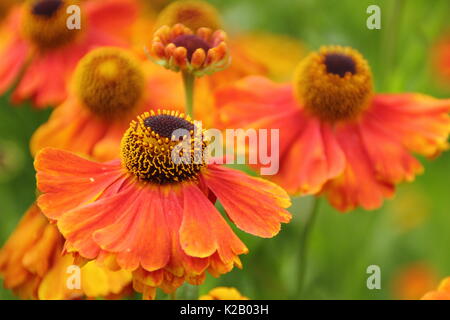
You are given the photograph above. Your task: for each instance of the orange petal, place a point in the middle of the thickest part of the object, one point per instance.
(419, 122)
(313, 158)
(358, 185)
(253, 204)
(68, 181)
(204, 231)
(140, 235)
(390, 159)
(80, 224)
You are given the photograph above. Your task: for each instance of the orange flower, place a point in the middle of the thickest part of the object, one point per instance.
(223, 293)
(40, 51)
(336, 135)
(202, 52)
(148, 214)
(110, 85)
(442, 293)
(413, 281)
(33, 266)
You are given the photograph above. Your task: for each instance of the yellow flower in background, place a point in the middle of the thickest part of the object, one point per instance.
(33, 266)
(223, 293)
(410, 209)
(277, 54)
(441, 293)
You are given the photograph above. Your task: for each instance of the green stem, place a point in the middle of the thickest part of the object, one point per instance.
(173, 295)
(189, 81)
(304, 240)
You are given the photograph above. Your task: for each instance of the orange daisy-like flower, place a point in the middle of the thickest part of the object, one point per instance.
(442, 292)
(40, 50)
(34, 267)
(199, 53)
(223, 293)
(336, 135)
(151, 215)
(110, 86)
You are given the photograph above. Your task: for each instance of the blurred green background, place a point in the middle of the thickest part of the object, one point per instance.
(412, 227)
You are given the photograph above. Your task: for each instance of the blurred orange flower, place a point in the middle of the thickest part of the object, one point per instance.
(413, 281)
(336, 136)
(110, 86)
(34, 267)
(223, 293)
(150, 215)
(39, 51)
(441, 58)
(442, 292)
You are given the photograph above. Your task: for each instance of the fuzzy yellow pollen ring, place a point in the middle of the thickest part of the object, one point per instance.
(44, 23)
(334, 84)
(109, 82)
(148, 145)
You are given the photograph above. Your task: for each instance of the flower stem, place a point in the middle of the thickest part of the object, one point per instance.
(188, 81)
(173, 295)
(304, 240)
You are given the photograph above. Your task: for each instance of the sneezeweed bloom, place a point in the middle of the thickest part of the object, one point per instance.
(154, 216)
(442, 292)
(223, 293)
(110, 86)
(337, 136)
(33, 266)
(201, 52)
(40, 51)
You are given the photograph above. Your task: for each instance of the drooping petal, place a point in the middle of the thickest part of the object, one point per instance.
(68, 181)
(80, 224)
(389, 157)
(312, 159)
(421, 123)
(204, 231)
(140, 236)
(253, 204)
(358, 185)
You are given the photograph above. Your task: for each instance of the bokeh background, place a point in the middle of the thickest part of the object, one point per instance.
(408, 238)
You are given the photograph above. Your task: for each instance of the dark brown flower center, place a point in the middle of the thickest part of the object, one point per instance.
(339, 64)
(165, 125)
(191, 43)
(46, 8)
